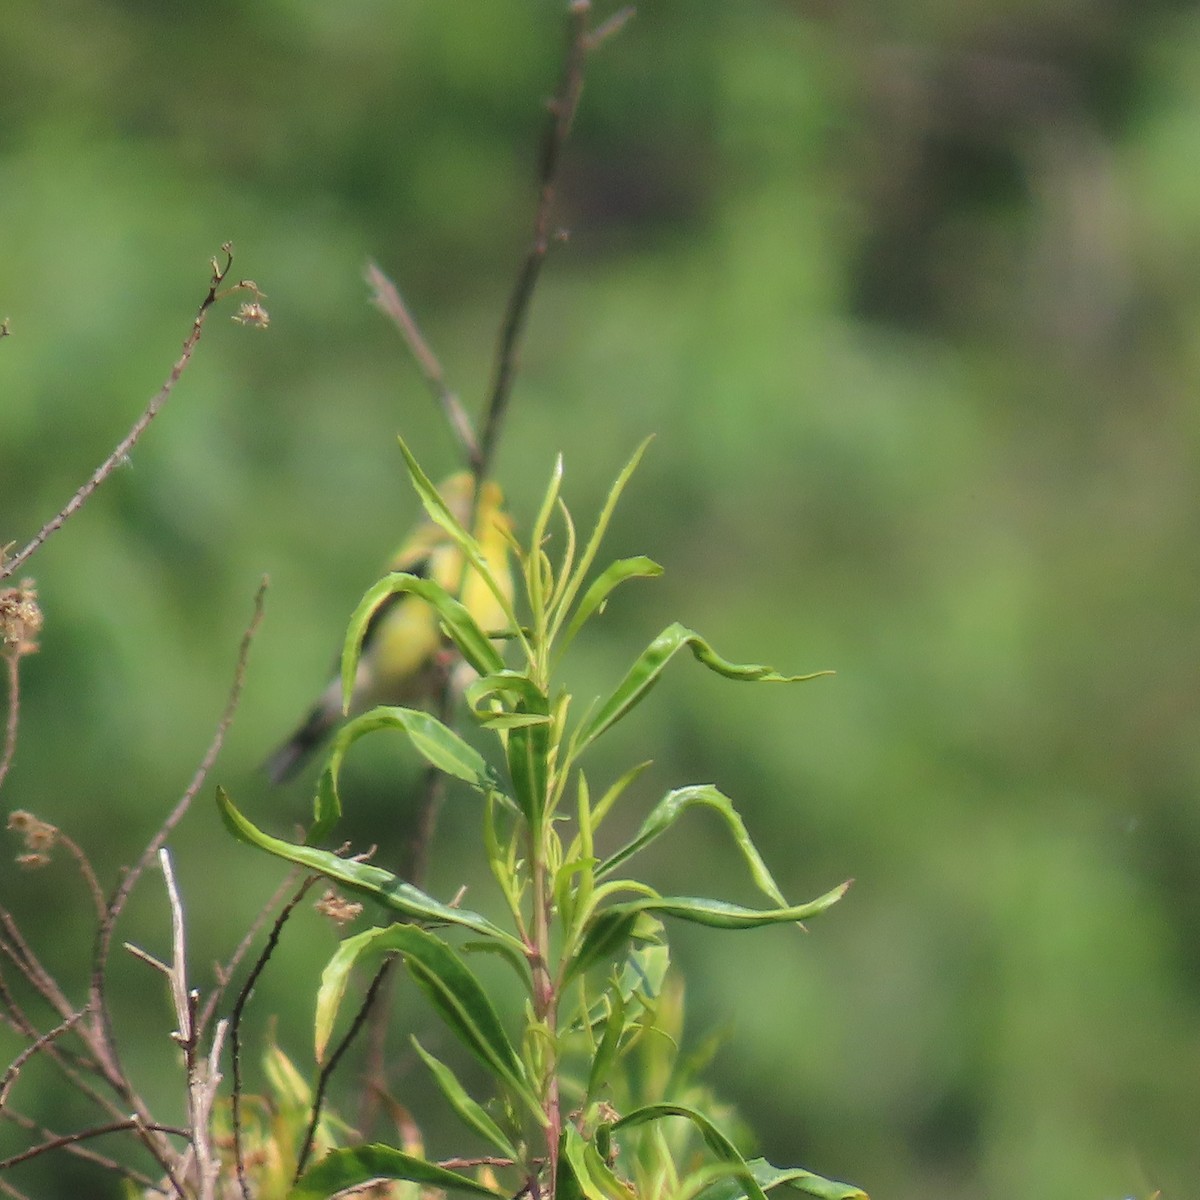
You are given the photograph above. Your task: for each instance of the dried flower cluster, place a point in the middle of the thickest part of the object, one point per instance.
(20, 619)
(39, 837)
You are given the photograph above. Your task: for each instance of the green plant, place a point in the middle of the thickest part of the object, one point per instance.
(585, 941)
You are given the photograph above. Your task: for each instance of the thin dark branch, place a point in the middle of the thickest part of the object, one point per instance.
(235, 1025)
(226, 972)
(386, 297)
(14, 945)
(71, 1139)
(73, 1066)
(42, 1043)
(8, 1113)
(328, 1069)
(558, 128)
(117, 903)
(127, 443)
(100, 1039)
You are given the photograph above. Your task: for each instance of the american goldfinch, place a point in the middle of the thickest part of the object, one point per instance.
(397, 664)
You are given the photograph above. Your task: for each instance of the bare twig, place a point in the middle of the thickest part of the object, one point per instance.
(558, 128)
(202, 1075)
(127, 443)
(18, 950)
(235, 1026)
(97, 1032)
(117, 903)
(14, 1068)
(78, 1151)
(71, 1139)
(328, 1069)
(386, 297)
(225, 972)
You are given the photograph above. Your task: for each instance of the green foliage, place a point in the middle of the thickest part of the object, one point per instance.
(585, 941)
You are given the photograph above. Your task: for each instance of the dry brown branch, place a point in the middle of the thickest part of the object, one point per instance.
(78, 1151)
(235, 1026)
(14, 1068)
(121, 895)
(127, 443)
(96, 1032)
(328, 1069)
(225, 972)
(203, 1077)
(386, 297)
(71, 1139)
(558, 128)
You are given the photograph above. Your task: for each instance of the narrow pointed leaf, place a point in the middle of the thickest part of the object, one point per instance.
(458, 623)
(527, 747)
(595, 1177)
(590, 550)
(607, 1050)
(720, 1146)
(438, 744)
(719, 914)
(606, 939)
(358, 1166)
(469, 1111)
(602, 587)
(648, 669)
(613, 927)
(458, 997)
(672, 807)
(373, 882)
(768, 1177)
(435, 506)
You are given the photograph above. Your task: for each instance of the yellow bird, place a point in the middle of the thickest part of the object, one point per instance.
(398, 664)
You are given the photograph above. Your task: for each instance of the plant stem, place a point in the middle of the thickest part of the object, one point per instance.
(545, 1000)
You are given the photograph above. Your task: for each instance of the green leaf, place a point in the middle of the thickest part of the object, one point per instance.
(720, 1146)
(470, 1112)
(596, 1179)
(435, 506)
(719, 914)
(610, 1044)
(363, 878)
(768, 1177)
(438, 744)
(527, 746)
(359, 1165)
(605, 939)
(453, 990)
(672, 807)
(648, 668)
(611, 928)
(458, 623)
(601, 588)
(571, 590)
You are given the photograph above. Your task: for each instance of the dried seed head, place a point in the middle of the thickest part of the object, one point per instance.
(20, 619)
(39, 837)
(337, 908)
(252, 313)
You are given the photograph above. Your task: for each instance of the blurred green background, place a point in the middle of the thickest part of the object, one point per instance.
(909, 294)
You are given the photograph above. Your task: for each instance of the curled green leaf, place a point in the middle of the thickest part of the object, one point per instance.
(373, 882)
(672, 807)
(460, 626)
(648, 669)
(358, 1166)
